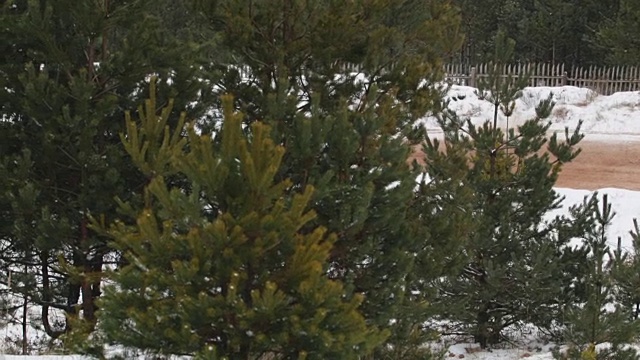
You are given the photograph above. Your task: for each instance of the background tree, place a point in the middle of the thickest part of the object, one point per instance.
(618, 35)
(551, 20)
(550, 31)
(67, 71)
(515, 262)
(482, 21)
(564, 30)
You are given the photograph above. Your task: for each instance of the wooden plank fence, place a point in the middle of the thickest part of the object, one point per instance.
(603, 80)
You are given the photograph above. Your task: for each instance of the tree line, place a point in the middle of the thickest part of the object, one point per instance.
(154, 196)
(573, 32)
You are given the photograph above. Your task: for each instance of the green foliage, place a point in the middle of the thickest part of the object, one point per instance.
(593, 321)
(143, 144)
(548, 31)
(591, 352)
(588, 321)
(626, 272)
(341, 85)
(222, 265)
(514, 262)
(483, 20)
(67, 71)
(617, 35)
(502, 92)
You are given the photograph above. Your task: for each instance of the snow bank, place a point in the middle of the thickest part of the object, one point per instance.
(617, 114)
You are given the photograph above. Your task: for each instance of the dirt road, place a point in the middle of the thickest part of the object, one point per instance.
(601, 164)
(605, 162)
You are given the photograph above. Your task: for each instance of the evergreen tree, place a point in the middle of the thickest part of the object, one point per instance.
(220, 268)
(627, 274)
(67, 71)
(559, 31)
(546, 28)
(618, 35)
(514, 261)
(556, 31)
(341, 85)
(592, 321)
(481, 23)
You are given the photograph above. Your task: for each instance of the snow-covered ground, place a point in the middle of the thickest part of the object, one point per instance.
(43, 357)
(606, 118)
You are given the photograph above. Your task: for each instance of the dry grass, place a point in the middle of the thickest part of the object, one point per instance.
(560, 113)
(590, 98)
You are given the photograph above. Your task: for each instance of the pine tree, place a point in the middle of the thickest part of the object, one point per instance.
(480, 25)
(556, 31)
(592, 322)
(341, 85)
(514, 261)
(618, 35)
(67, 71)
(219, 268)
(627, 274)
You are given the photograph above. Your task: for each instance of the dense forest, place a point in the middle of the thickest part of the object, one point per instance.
(207, 178)
(573, 32)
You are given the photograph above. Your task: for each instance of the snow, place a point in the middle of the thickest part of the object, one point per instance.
(473, 351)
(43, 357)
(605, 118)
(625, 203)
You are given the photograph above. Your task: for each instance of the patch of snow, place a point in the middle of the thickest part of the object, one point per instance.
(625, 203)
(612, 115)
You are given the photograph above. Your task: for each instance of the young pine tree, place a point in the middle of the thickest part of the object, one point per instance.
(341, 85)
(596, 317)
(514, 260)
(627, 274)
(219, 267)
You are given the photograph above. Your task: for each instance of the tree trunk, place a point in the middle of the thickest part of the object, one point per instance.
(88, 284)
(487, 334)
(46, 296)
(481, 335)
(25, 308)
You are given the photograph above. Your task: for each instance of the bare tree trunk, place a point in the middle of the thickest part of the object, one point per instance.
(88, 306)
(46, 296)
(91, 262)
(25, 301)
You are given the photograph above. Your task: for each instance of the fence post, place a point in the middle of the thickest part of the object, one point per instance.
(472, 77)
(564, 79)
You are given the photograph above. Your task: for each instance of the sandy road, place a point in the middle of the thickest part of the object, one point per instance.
(612, 161)
(604, 163)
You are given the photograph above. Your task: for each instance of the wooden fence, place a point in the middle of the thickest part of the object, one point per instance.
(604, 80)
